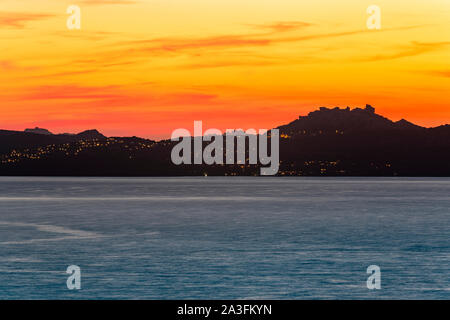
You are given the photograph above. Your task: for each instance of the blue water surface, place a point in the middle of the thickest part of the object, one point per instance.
(224, 237)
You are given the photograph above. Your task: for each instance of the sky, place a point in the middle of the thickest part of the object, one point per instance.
(148, 67)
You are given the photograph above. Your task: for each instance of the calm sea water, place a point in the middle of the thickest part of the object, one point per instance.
(224, 238)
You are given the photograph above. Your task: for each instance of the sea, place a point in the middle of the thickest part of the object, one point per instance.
(224, 238)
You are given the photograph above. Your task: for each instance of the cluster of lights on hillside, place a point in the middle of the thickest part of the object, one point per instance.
(71, 149)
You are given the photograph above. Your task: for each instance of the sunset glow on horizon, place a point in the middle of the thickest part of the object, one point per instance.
(148, 67)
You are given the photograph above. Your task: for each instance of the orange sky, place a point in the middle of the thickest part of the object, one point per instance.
(147, 67)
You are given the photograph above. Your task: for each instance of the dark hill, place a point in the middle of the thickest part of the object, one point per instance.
(33, 138)
(90, 134)
(326, 142)
(361, 142)
(38, 131)
(343, 120)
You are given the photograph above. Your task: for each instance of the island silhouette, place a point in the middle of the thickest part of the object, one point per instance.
(326, 142)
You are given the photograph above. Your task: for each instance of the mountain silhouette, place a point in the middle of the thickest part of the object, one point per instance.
(38, 137)
(326, 142)
(38, 131)
(90, 134)
(343, 120)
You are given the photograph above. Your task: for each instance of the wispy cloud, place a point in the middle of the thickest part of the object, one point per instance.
(12, 66)
(70, 92)
(20, 19)
(7, 65)
(283, 26)
(114, 96)
(87, 35)
(174, 45)
(413, 49)
(439, 73)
